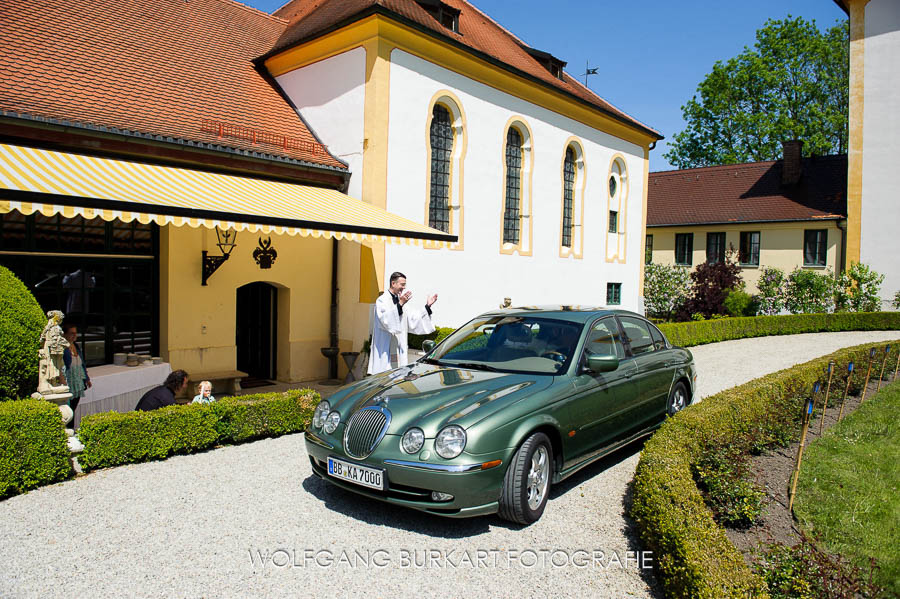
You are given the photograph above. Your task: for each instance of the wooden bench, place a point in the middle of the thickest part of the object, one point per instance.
(229, 382)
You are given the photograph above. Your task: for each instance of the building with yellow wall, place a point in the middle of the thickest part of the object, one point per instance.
(319, 149)
(787, 214)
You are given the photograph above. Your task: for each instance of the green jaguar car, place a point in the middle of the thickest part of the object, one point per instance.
(511, 402)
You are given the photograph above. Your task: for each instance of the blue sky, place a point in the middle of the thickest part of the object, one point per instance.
(651, 53)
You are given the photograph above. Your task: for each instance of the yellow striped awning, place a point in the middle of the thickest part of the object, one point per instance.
(54, 182)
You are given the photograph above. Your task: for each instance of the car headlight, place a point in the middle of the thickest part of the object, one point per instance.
(319, 415)
(331, 422)
(412, 440)
(450, 442)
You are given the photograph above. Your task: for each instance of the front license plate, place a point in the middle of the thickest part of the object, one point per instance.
(356, 474)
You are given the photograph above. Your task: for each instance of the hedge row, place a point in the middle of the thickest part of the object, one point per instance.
(439, 334)
(687, 334)
(693, 555)
(33, 450)
(21, 323)
(112, 438)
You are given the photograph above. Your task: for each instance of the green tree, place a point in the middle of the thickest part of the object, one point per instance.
(793, 84)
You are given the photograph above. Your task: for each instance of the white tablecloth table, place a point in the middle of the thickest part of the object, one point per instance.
(119, 388)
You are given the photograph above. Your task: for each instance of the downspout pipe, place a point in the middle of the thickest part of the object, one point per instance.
(332, 351)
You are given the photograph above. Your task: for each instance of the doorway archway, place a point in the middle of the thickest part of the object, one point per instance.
(256, 330)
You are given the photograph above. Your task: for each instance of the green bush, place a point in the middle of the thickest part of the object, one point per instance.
(439, 334)
(739, 303)
(112, 438)
(666, 287)
(771, 290)
(857, 289)
(33, 450)
(693, 555)
(807, 292)
(21, 323)
(688, 334)
(250, 417)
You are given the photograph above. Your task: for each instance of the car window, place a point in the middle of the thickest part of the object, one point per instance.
(604, 339)
(512, 343)
(659, 341)
(638, 333)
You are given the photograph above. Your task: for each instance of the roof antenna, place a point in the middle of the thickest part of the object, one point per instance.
(588, 71)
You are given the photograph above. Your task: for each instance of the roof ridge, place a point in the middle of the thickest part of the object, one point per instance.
(495, 22)
(253, 9)
(742, 164)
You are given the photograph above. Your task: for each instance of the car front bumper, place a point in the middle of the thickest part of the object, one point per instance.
(410, 481)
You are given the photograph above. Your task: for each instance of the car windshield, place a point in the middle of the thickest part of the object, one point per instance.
(511, 344)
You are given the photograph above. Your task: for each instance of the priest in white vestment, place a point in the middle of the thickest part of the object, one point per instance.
(394, 318)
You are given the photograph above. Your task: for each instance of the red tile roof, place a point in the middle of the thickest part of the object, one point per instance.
(159, 67)
(477, 32)
(748, 193)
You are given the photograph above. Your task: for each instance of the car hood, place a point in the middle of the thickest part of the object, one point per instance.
(431, 396)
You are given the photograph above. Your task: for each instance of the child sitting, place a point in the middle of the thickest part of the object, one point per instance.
(204, 393)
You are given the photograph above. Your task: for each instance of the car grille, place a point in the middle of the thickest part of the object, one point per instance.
(365, 431)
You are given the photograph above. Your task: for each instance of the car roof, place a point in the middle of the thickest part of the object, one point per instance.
(571, 313)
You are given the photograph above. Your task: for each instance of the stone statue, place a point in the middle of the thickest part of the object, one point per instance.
(507, 302)
(51, 379)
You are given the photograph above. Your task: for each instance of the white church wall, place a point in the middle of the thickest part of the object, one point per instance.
(879, 246)
(479, 276)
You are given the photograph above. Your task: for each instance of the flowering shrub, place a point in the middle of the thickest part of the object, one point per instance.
(771, 294)
(807, 292)
(711, 285)
(856, 289)
(665, 288)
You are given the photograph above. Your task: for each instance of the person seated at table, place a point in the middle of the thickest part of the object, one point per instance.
(164, 395)
(204, 393)
(76, 371)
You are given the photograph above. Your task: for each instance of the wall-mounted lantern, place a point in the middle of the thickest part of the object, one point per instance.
(226, 244)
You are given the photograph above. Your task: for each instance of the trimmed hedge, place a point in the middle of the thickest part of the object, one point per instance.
(693, 555)
(439, 334)
(33, 450)
(112, 438)
(21, 323)
(687, 334)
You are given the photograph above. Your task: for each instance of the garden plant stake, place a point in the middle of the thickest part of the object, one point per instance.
(868, 372)
(830, 370)
(897, 367)
(806, 417)
(887, 350)
(846, 390)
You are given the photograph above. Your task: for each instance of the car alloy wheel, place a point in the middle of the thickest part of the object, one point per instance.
(678, 399)
(526, 484)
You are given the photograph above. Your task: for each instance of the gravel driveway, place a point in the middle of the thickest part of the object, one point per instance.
(252, 520)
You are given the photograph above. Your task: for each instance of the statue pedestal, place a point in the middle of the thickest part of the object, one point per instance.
(61, 399)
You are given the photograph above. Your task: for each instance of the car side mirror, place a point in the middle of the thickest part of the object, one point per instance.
(428, 345)
(598, 364)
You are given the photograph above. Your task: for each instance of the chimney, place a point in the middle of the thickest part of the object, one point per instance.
(791, 165)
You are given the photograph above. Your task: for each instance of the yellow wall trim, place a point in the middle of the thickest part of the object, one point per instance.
(856, 110)
(643, 253)
(622, 193)
(525, 247)
(578, 228)
(451, 102)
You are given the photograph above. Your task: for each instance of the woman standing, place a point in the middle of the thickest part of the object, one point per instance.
(76, 371)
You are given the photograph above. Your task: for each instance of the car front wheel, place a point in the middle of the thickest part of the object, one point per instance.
(678, 399)
(527, 481)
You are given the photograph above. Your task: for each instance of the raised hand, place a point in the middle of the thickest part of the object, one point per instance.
(404, 297)
(431, 299)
